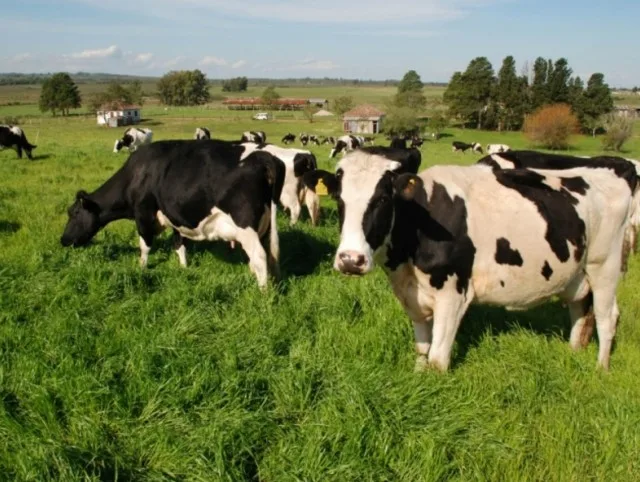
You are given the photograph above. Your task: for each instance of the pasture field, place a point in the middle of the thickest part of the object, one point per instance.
(111, 372)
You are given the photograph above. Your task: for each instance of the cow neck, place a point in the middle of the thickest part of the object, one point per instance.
(112, 201)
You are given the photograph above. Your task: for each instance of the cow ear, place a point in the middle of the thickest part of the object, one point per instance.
(321, 182)
(86, 202)
(303, 163)
(407, 186)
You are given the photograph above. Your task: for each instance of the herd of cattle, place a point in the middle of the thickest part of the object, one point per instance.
(515, 229)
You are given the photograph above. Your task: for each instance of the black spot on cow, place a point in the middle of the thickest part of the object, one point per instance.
(547, 271)
(502, 283)
(432, 232)
(506, 255)
(575, 184)
(557, 208)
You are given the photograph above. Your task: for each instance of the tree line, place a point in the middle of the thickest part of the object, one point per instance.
(478, 97)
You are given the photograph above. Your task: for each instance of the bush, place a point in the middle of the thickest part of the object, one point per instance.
(618, 131)
(551, 126)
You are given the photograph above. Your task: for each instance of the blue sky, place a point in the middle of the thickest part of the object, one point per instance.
(372, 39)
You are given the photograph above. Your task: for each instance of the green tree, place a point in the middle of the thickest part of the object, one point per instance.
(478, 81)
(558, 82)
(410, 91)
(136, 93)
(436, 124)
(343, 104)
(59, 93)
(539, 88)
(308, 112)
(401, 120)
(618, 131)
(270, 96)
(511, 96)
(183, 87)
(237, 84)
(116, 93)
(595, 102)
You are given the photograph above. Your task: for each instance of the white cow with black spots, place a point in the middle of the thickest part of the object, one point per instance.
(133, 138)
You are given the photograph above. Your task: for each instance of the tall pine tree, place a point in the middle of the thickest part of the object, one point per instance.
(511, 95)
(558, 84)
(539, 91)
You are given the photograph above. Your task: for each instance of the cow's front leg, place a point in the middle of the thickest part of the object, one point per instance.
(251, 245)
(179, 247)
(447, 315)
(423, 331)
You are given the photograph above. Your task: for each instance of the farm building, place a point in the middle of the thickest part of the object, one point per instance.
(363, 119)
(627, 111)
(256, 103)
(117, 114)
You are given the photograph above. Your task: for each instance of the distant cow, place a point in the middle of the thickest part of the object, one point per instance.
(417, 141)
(259, 137)
(297, 162)
(398, 142)
(314, 139)
(455, 235)
(328, 140)
(369, 140)
(12, 137)
(133, 138)
(304, 138)
(463, 147)
(346, 143)
(497, 148)
(289, 138)
(202, 133)
(199, 189)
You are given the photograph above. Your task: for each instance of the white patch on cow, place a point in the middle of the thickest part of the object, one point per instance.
(361, 174)
(115, 145)
(16, 130)
(220, 226)
(553, 182)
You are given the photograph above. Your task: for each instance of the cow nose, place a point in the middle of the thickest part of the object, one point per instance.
(351, 262)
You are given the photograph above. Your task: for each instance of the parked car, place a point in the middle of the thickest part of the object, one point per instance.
(262, 116)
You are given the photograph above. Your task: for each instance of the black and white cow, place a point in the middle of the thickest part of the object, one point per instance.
(259, 137)
(304, 138)
(133, 138)
(289, 138)
(455, 235)
(202, 133)
(12, 137)
(328, 140)
(463, 147)
(398, 142)
(346, 143)
(314, 139)
(542, 160)
(197, 188)
(297, 162)
(369, 140)
(497, 148)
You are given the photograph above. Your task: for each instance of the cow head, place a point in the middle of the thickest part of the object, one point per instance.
(339, 146)
(83, 223)
(366, 188)
(124, 142)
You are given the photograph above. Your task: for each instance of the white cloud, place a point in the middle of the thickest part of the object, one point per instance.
(173, 62)
(312, 64)
(238, 64)
(143, 58)
(22, 57)
(211, 60)
(110, 52)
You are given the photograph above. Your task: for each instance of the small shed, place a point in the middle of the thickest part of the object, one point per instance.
(627, 111)
(115, 114)
(323, 113)
(363, 119)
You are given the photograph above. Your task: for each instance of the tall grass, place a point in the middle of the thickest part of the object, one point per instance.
(110, 372)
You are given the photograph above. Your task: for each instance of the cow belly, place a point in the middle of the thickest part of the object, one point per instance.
(521, 287)
(218, 225)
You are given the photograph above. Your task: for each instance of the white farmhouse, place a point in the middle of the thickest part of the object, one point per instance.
(115, 114)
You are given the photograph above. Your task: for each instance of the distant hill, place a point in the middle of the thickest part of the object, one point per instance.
(14, 78)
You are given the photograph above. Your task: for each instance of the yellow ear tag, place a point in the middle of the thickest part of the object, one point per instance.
(321, 189)
(412, 181)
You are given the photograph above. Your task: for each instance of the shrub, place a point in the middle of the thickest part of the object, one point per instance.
(551, 126)
(618, 131)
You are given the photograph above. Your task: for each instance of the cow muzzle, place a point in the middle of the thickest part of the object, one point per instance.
(351, 262)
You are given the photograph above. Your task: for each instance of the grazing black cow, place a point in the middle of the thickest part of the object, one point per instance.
(202, 133)
(346, 143)
(463, 147)
(289, 138)
(200, 189)
(12, 137)
(455, 235)
(259, 137)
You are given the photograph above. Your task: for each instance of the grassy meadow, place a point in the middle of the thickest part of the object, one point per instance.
(111, 372)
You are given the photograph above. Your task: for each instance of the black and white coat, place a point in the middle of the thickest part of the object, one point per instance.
(12, 137)
(457, 146)
(455, 235)
(202, 133)
(133, 138)
(200, 189)
(259, 137)
(346, 144)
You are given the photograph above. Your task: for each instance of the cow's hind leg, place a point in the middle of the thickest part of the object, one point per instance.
(179, 247)
(582, 322)
(312, 201)
(251, 245)
(447, 314)
(147, 228)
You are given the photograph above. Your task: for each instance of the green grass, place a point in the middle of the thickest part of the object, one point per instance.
(111, 372)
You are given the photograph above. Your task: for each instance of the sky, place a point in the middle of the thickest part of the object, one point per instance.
(366, 39)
